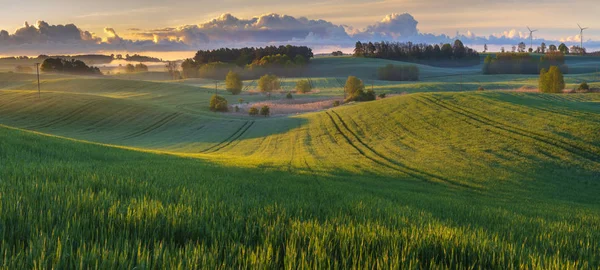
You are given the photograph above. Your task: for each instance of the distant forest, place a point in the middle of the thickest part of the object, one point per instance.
(437, 55)
(90, 58)
(247, 56)
(72, 66)
(523, 63)
(250, 63)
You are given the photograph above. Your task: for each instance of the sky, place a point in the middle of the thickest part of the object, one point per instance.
(131, 21)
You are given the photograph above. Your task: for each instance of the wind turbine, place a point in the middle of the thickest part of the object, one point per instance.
(581, 36)
(531, 37)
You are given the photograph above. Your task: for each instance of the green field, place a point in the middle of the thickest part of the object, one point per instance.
(121, 172)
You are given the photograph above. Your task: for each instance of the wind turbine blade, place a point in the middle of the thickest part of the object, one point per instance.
(579, 26)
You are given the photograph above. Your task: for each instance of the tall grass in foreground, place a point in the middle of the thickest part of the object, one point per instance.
(72, 205)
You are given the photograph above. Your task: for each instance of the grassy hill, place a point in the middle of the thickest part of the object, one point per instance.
(115, 173)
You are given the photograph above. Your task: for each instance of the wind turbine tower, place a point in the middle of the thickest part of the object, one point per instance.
(581, 36)
(531, 37)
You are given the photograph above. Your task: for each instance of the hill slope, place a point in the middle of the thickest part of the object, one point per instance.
(429, 180)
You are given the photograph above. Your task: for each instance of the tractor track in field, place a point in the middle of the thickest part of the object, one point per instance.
(229, 140)
(67, 116)
(390, 163)
(555, 142)
(160, 123)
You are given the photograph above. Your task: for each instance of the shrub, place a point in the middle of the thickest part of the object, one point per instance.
(382, 95)
(265, 111)
(336, 103)
(218, 104)
(303, 86)
(584, 87)
(268, 83)
(551, 81)
(480, 88)
(233, 83)
(289, 95)
(398, 73)
(253, 111)
(241, 100)
(237, 109)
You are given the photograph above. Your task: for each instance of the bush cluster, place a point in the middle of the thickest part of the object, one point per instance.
(218, 104)
(303, 86)
(269, 83)
(398, 73)
(523, 63)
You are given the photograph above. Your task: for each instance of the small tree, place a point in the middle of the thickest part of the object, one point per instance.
(584, 87)
(268, 83)
(253, 111)
(173, 69)
(265, 111)
(141, 68)
(218, 104)
(303, 86)
(233, 83)
(289, 95)
(240, 100)
(355, 90)
(563, 48)
(129, 68)
(551, 81)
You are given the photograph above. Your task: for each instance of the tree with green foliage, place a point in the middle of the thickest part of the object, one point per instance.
(303, 86)
(265, 111)
(289, 95)
(552, 48)
(233, 83)
(355, 90)
(253, 111)
(218, 104)
(487, 64)
(269, 83)
(552, 80)
(563, 48)
(300, 60)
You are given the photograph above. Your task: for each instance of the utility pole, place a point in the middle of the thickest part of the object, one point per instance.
(37, 68)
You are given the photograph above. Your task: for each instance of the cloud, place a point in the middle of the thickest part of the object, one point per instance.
(230, 31)
(393, 26)
(265, 28)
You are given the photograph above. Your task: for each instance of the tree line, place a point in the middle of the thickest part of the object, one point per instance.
(398, 73)
(437, 54)
(523, 63)
(248, 55)
(68, 66)
(250, 63)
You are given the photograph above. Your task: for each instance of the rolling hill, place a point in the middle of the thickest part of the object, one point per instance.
(112, 173)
